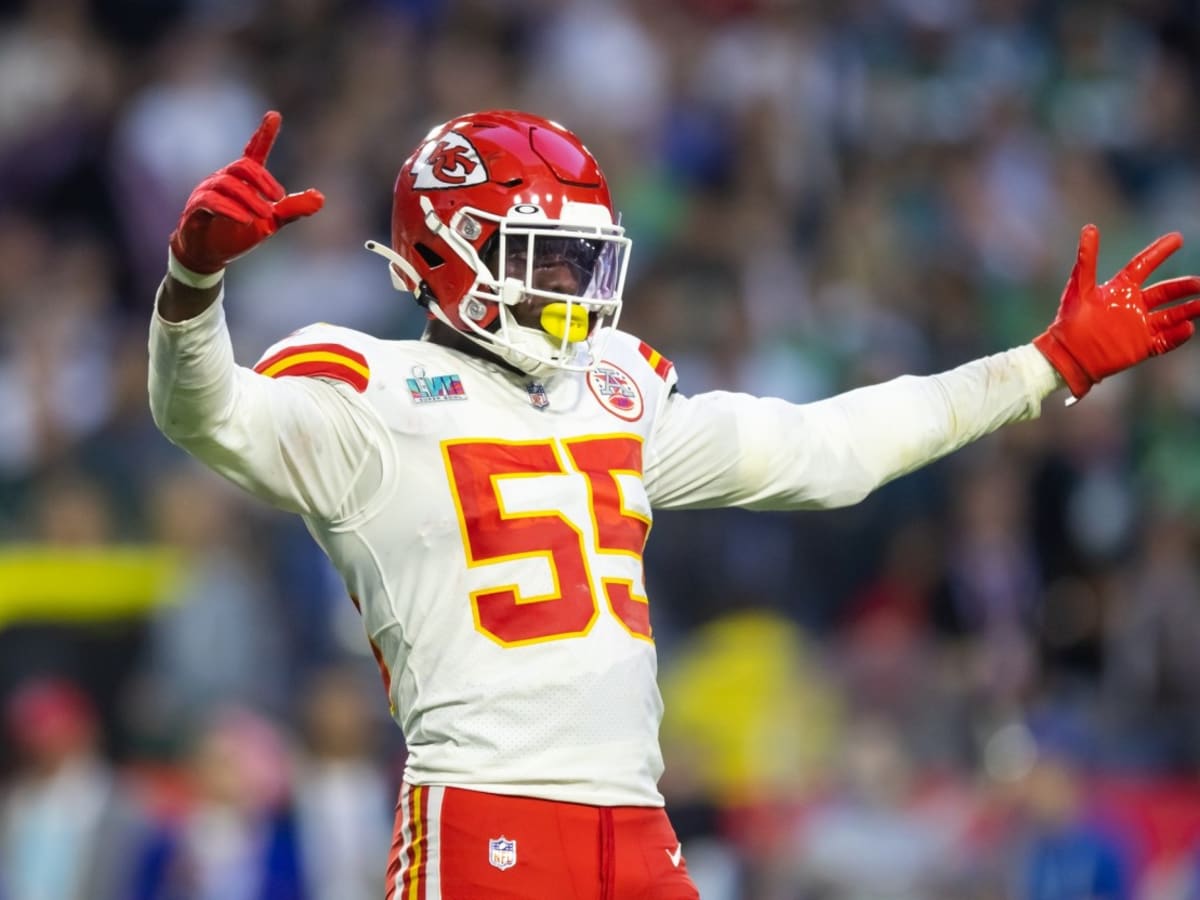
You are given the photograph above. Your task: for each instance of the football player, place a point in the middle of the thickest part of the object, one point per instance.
(486, 491)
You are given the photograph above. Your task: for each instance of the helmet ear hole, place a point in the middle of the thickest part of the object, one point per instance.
(489, 253)
(432, 259)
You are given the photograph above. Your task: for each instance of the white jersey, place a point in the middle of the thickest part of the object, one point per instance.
(490, 526)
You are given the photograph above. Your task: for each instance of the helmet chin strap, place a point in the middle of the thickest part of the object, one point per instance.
(511, 353)
(531, 349)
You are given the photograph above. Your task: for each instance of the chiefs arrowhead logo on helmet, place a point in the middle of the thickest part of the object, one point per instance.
(451, 161)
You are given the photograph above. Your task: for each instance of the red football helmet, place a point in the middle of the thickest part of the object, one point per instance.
(484, 200)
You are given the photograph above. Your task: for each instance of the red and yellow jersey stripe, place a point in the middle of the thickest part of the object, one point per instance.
(660, 364)
(318, 360)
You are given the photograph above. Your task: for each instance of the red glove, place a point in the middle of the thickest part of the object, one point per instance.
(1100, 330)
(235, 209)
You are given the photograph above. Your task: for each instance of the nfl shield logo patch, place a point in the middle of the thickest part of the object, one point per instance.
(502, 853)
(537, 396)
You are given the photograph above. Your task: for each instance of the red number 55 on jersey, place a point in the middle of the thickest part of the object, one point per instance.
(493, 534)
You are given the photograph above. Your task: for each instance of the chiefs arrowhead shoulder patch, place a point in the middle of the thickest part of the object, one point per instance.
(616, 391)
(318, 361)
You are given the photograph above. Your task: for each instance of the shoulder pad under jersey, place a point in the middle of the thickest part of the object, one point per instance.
(635, 354)
(662, 366)
(320, 351)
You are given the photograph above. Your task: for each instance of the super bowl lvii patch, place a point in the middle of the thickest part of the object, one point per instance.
(434, 388)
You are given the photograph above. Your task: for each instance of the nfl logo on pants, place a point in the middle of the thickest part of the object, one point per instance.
(502, 853)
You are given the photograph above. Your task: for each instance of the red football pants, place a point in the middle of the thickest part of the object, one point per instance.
(467, 845)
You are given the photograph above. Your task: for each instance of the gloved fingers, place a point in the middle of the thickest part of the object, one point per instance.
(206, 184)
(1084, 273)
(1172, 289)
(1172, 336)
(295, 206)
(233, 187)
(1139, 268)
(257, 177)
(258, 148)
(1173, 315)
(240, 192)
(217, 205)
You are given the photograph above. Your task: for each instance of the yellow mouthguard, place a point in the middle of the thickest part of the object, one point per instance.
(554, 322)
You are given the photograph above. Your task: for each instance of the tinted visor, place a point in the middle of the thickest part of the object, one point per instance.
(583, 267)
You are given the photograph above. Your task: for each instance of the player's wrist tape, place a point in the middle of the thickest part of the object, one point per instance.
(184, 275)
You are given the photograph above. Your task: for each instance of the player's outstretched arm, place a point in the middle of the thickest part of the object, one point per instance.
(723, 449)
(227, 215)
(1102, 329)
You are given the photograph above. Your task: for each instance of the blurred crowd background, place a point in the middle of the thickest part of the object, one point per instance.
(983, 683)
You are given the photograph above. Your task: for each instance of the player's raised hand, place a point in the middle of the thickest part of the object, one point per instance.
(237, 208)
(1102, 329)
